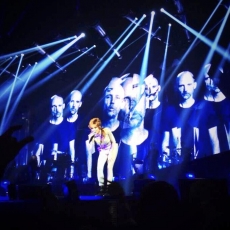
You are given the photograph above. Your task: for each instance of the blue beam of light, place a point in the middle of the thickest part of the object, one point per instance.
(74, 52)
(93, 78)
(126, 68)
(144, 66)
(44, 80)
(24, 71)
(102, 59)
(207, 41)
(8, 65)
(26, 51)
(143, 28)
(5, 87)
(47, 61)
(3, 125)
(138, 39)
(63, 49)
(165, 57)
(6, 60)
(192, 45)
(14, 106)
(212, 50)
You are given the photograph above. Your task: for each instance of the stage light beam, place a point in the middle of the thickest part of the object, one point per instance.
(207, 41)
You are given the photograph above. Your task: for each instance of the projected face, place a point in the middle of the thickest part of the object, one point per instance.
(75, 102)
(186, 85)
(152, 88)
(134, 108)
(113, 99)
(57, 106)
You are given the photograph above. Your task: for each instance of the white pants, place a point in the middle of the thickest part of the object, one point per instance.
(109, 156)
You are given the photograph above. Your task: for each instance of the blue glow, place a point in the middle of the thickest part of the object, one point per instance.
(101, 59)
(3, 123)
(44, 80)
(191, 46)
(207, 41)
(144, 66)
(16, 102)
(6, 60)
(165, 58)
(213, 49)
(93, 78)
(8, 65)
(35, 48)
(190, 175)
(152, 177)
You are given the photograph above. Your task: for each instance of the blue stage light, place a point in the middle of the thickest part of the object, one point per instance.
(190, 175)
(82, 35)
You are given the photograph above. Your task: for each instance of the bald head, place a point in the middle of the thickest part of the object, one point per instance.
(185, 76)
(115, 86)
(57, 106)
(113, 98)
(186, 85)
(75, 101)
(152, 87)
(134, 100)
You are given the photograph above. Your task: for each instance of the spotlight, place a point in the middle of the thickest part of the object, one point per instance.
(82, 35)
(84, 49)
(170, 24)
(39, 49)
(94, 46)
(153, 12)
(190, 175)
(152, 33)
(99, 29)
(35, 63)
(43, 52)
(60, 67)
(102, 32)
(22, 55)
(162, 10)
(151, 177)
(131, 19)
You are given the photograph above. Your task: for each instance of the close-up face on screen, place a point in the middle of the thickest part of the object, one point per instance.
(158, 84)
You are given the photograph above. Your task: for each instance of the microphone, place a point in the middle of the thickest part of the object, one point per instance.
(91, 138)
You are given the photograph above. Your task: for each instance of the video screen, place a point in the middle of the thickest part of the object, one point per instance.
(163, 95)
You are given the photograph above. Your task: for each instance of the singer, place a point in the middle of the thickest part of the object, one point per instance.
(107, 147)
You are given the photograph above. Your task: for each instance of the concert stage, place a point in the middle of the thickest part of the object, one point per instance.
(213, 171)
